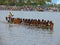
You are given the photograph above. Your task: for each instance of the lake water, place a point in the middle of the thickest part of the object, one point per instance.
(11, 34)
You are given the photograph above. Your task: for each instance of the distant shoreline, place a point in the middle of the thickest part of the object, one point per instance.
(27, 8)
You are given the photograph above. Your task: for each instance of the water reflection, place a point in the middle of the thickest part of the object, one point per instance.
(12, 34)
(10, 26)
(38, 34)
(25, 35)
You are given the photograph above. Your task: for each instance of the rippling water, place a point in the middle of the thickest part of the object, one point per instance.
(11, 34)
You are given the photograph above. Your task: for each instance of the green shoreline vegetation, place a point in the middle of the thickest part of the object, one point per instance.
(40, 5)
(46, 3)
(22, 2)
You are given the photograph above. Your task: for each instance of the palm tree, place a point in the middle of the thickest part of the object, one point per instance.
(36, 1)
(2, 1)
(48, 0)
(41, 1)
(14, 1)
(28, 2)
(21, 2)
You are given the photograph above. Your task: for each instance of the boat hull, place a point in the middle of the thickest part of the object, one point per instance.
(30, 23)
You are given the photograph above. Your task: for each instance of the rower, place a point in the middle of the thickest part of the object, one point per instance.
(9, 17)
(51, 24)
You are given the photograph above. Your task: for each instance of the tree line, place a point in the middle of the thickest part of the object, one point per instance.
(22, 2)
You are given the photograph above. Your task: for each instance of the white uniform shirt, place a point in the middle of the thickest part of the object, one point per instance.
(9, 15)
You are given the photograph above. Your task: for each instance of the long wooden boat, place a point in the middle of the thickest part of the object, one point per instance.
(28, 22)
